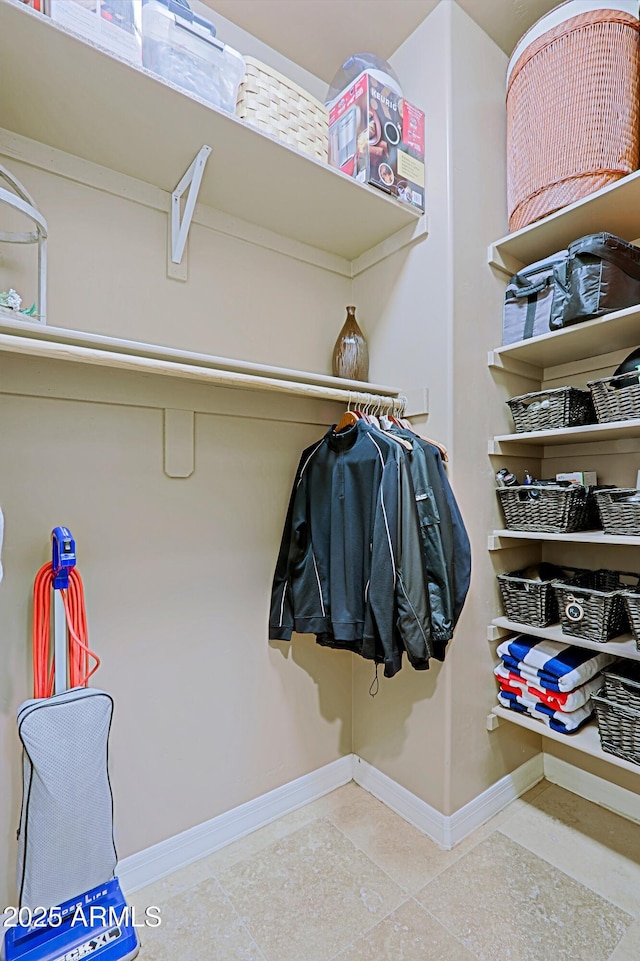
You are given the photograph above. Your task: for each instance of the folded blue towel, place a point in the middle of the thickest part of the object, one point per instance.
(557, 666)
(556, 720)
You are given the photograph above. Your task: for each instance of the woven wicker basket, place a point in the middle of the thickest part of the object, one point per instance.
(551, 509)
(278, 107)
(600, 596)
(622, 683)
(531, 602)
(546, 409)
(573, 113)
(632, 605)
(616, 398)
(619, 727)
(617, 516)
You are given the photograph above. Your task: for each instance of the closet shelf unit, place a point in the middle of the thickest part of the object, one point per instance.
(59, 343)
(85, 101)
(615, 209)
(623, 646)
(577, 537)
(585, 740)
(618, 430)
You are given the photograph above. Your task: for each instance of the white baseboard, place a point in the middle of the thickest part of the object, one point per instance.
(592, 787)
(182, 849)
(145, 867)
(409, 806)
(448, 830)
(478, 811)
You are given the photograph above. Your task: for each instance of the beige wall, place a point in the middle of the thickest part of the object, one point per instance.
(428, 731)
(479, 216)
(208, 714)
(407, 303)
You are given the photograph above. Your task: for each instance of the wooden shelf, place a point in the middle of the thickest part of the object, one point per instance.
(615, 208)
(580, 537)
(623, 646)
(60, 343)
(66, 93)
(586, 740)
(617, 430)
(615, 331)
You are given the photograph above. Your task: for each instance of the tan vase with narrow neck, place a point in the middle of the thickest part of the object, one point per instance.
(351, 354)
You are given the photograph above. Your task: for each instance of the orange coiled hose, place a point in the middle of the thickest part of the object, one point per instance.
(79, 652)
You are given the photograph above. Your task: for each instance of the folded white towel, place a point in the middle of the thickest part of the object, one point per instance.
(559, 667)
(556, 720)
(509, 678)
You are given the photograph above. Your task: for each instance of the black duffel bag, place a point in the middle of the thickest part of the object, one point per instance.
(597, 274)
(535, 298)
(602, 274)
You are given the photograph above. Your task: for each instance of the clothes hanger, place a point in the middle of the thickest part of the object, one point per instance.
(407, 425)
(348, 419)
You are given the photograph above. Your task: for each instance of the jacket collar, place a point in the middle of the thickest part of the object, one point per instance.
(346, 439)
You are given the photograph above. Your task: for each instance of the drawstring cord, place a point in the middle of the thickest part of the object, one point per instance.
(375, 684)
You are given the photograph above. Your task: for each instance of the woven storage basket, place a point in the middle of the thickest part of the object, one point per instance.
(600, 596)
(572, 113)
(622, 683)
(528, 601)
(546, 409)
(552, 509)
(278, 107)
(616, 398)
(619, 727)
(632, 605)
(617, 516)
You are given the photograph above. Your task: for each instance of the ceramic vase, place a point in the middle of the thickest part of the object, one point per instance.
(351, 354)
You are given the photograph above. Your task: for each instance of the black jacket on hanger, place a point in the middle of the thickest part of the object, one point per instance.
(350, 566)
(447, 550)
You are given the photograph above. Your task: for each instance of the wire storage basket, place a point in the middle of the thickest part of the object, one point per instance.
(546, 409)
(619, 510)
(618, 726)
(592, 606)
(532, 601)
(550, 509)
(616, 398)
(277, 106)
(572, 110)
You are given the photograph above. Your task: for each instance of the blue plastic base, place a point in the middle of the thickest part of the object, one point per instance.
(96, 925)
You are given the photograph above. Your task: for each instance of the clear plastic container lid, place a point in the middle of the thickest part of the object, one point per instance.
(357, 64)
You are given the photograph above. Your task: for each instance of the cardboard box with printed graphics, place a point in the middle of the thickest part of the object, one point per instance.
(377, 137)
(588, 478)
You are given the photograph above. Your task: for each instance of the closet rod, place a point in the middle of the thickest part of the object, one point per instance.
(224, 378)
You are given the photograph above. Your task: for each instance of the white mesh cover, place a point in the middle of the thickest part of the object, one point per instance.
(65, 839)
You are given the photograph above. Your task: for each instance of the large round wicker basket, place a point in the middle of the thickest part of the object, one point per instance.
(573, 111)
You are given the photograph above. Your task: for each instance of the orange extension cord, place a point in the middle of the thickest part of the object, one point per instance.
(79, 652)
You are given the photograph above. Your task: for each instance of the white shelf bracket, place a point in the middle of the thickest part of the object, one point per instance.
(181, 221)
(493, 722)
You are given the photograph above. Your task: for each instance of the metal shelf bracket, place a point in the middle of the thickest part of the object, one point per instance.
(181, 222)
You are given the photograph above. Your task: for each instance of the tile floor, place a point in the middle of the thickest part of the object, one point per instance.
(344, 878)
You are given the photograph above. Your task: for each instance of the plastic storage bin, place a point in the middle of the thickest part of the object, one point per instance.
(182, 48)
